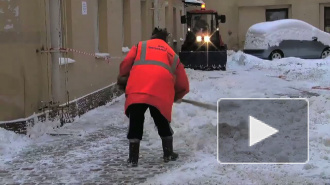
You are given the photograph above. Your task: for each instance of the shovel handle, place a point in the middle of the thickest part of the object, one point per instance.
(200, 104)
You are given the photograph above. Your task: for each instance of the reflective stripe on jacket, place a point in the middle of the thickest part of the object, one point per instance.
(156, 76)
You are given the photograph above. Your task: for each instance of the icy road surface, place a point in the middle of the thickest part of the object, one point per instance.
(99, 155)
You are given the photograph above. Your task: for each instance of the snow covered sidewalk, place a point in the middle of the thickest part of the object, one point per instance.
(250, 77)
(99, 152)
(99, 156)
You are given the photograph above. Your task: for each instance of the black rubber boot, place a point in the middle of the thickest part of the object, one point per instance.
(134, 149)
(169, 155)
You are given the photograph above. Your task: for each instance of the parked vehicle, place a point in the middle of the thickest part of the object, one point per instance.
(287, 38)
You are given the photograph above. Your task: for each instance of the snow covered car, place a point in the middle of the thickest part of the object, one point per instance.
(286, 38)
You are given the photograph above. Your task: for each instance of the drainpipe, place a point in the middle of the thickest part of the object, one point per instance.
(184, 25)
(156, 14)
(55, 34)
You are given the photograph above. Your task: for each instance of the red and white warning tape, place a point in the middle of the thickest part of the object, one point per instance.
(65, 50)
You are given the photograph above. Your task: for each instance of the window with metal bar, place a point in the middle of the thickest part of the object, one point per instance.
(327, 19)
(277, 14)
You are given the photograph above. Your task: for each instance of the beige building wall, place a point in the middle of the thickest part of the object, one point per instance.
(254, 14)
(242, 14)
(23, 71)
(321, 10)
(166, 12)
(87, 74)
(30, 74)
(230, 9)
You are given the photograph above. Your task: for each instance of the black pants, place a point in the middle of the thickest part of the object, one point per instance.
(136, 120)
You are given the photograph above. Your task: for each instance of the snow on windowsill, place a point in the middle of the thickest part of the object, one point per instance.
(102, 55)
(194, 1)
(63, 61)
(125, 49)
(9, 26)
(175, 41)
(181, 39)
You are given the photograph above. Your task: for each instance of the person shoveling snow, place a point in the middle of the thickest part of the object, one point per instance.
(156, 79)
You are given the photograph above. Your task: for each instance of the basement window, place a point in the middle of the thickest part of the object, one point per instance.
(277, 14)
(327, 19)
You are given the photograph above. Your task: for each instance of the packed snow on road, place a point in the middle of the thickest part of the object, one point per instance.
(195, 131)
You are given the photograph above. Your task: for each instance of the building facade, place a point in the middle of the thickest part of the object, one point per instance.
(57, 51)
(242, 14)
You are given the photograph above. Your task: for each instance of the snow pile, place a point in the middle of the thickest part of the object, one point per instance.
(265, 34)
(11, 143)
(271, 26)
(125, 49)
(248, 76)
(289, 68)
(41, 128)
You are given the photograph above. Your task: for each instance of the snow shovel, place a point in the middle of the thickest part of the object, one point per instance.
(200, 104)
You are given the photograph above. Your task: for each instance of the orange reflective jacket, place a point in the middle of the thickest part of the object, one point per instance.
(156, 76)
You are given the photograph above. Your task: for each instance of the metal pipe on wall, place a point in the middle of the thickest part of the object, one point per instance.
(55, 34)
(156, 14)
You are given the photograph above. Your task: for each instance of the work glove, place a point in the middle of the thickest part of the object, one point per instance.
(122, 82)
(178, 101)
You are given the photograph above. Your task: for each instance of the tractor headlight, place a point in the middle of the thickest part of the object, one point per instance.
(199, 38)
(207, 38)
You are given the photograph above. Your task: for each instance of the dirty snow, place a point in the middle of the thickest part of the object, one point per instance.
(1, 11)
(11, 143)
(196, 129)
(262, 35)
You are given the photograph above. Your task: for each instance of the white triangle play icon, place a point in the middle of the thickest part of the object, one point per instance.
(259, 131)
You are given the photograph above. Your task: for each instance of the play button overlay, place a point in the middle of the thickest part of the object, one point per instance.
(263, 131)
(259, 131)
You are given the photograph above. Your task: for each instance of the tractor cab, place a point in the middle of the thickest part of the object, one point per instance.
(203, 30)
(203, 45)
